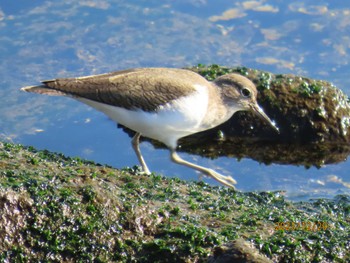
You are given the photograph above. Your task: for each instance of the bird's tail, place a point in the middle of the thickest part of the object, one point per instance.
(43, 89)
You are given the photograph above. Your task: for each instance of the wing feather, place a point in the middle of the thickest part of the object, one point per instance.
(143, 88)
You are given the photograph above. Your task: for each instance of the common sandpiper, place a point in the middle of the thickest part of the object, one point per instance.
(164, 104)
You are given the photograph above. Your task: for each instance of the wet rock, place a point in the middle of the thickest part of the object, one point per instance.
(305, 110)
(15, 208)
(59, 209)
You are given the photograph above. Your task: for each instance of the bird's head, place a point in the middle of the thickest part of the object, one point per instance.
(240, 92)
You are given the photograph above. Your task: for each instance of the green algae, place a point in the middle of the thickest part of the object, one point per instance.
(67, 209)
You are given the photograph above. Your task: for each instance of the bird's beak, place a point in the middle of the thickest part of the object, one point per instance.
(256, 109)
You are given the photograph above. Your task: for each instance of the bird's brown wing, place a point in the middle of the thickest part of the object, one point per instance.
(143, 88)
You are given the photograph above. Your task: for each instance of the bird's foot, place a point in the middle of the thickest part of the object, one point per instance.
(145, 170)
(226, 180)
(137, 169)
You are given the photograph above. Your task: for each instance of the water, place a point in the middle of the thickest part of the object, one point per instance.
(46, 39)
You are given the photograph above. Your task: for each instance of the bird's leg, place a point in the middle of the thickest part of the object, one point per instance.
(136, 146)
(226, 180)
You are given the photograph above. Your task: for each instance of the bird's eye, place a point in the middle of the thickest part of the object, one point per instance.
(246, 92)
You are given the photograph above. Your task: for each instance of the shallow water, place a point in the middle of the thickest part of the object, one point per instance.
(46, 39)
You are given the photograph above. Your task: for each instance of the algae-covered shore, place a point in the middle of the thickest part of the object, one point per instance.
(59, 209)
(55, 208)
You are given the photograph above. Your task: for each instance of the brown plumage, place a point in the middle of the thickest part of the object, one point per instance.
(142, 88)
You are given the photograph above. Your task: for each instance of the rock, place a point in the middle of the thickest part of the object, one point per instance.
(305, 110)
(239, 251)
(15, 208)
(60, 209)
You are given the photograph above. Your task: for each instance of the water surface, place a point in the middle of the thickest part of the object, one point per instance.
(47, 39)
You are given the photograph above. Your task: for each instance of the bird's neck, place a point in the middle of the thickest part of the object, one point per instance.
(217, 111)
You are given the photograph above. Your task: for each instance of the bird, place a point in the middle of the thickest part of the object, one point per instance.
(164, 104)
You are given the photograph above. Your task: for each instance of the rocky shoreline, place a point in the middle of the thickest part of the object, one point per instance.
(60, 209)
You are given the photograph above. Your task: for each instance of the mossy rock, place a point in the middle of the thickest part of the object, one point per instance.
(304, 109)
(60, 209)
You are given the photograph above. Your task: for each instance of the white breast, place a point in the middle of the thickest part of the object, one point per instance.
(172, 121)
